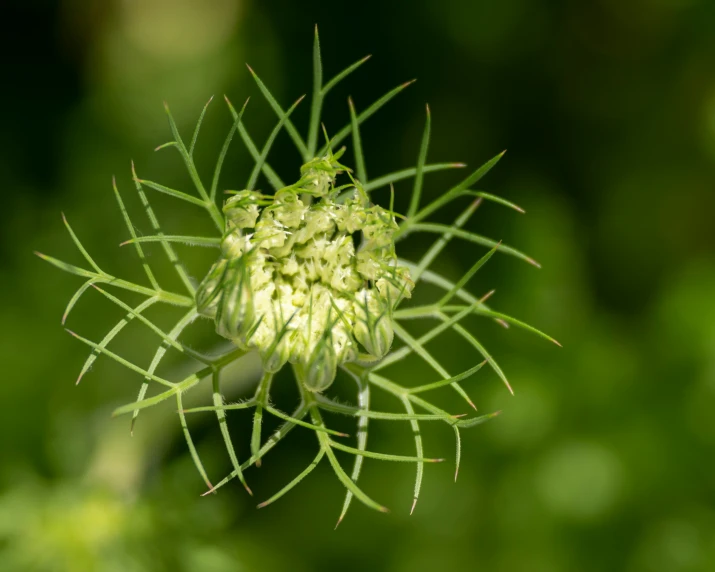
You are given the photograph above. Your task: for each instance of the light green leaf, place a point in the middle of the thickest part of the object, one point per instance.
(292, 131)
(419, 172)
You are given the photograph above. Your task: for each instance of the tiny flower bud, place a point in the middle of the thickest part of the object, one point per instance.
(351, 216)
(241, 209)
(209, 291)
(319, 371)
(269, 233)
(372, 324)
(232, 245)
(277, 354)
(289, 208)
(235, 312)
(395, 285)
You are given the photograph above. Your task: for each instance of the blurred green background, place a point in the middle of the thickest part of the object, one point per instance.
(603, 460)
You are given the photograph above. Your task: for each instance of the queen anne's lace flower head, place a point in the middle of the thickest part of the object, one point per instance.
(307, 275)
(292, 283)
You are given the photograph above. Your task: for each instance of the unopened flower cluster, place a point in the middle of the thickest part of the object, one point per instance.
(291, 283)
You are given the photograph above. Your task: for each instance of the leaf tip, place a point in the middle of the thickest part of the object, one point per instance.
(533, 262)
(475, 203)
(487, 296)
(508, 386)
(211, 490)
(414, 504)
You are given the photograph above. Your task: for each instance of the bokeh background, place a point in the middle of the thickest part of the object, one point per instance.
(603, 460)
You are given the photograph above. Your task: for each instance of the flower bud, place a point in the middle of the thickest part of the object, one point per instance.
(289, 209)
(241, 210)
(369, 265)
(378, 229)
(277, 354)
(372, 327)
(395, 285)
(301, 261)
(319, 371)
(209, 291)
(351, 216)
(319, 174)
(317, 221)
(232, 245)
(235, 312)
(269, 233)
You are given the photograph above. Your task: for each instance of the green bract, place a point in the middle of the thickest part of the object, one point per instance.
(306, 275)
